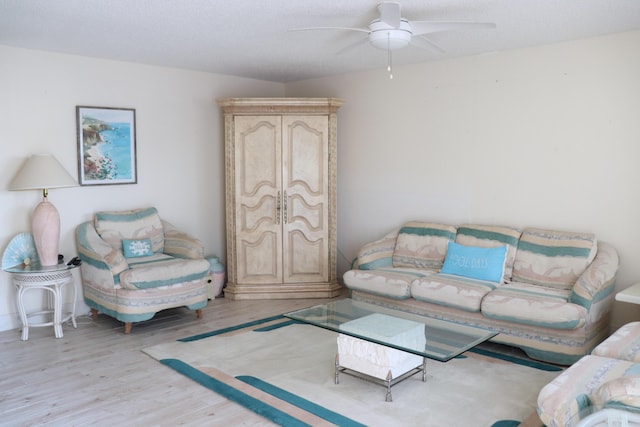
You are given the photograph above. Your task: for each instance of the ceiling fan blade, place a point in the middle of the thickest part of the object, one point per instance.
(428, 27)
(424, 43)
(351, 46)
(363, 30)
(390, 13)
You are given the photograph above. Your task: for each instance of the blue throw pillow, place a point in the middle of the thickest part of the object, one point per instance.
(134, 248)
(475, 262)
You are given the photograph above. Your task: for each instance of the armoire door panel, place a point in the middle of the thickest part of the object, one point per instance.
(258, 154)
(305, 145)
(310, 217)
(259, 216)
(305, 261)
(260, 262)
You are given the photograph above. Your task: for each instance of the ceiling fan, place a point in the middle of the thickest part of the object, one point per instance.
(391, 31)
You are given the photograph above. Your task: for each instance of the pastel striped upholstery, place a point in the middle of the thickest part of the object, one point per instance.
(489, 236)
(134, 289)
(389, 282)
(534, 305)
(422, 244)
(451, 291)
(377, 254)
(593, 382)
(113, 227)
(553, 258)
(623, 344)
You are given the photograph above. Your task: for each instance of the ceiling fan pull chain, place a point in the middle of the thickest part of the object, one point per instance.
(389, 69)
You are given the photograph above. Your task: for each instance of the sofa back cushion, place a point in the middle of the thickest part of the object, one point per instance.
(489, 236)
(116, 226)
(422, 244)
(553, 258)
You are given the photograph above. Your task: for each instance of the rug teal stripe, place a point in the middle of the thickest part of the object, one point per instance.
(322, 412)
(251, 403)
(230, 329)
(520, 361)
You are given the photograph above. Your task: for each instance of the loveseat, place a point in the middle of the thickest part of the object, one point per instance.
(135, 264)
(548, 292)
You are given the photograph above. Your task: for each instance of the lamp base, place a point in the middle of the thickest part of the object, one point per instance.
(46, 232)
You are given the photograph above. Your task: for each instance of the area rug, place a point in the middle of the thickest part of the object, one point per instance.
(284, 371)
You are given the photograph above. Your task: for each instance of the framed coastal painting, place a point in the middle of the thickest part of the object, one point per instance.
(106, 145)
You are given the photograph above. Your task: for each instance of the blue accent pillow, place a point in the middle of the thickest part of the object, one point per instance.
(475, 262)
(134, 248)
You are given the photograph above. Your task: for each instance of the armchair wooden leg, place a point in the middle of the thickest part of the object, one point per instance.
(199, 313)
(94, 314)
(127, 327)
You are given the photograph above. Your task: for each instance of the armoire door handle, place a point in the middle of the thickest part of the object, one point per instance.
(278, 209)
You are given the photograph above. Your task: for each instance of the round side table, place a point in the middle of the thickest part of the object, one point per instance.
(52, 279)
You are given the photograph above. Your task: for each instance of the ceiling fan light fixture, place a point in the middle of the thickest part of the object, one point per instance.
(386, 37)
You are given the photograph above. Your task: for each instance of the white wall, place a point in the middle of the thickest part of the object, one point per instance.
(180, 146)
(545, 136)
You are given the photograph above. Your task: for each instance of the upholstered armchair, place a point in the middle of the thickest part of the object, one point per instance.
(134, 264)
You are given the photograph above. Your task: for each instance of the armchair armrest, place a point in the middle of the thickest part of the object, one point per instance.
(596, 285)
(101, 263)
(622, 393)
(180, 244)
(378, 253)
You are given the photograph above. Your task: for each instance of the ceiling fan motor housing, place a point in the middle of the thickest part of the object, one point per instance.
(384, 36)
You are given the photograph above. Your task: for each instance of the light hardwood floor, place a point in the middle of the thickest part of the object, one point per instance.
(96, 375)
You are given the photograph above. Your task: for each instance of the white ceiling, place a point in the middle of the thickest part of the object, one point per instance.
(249, 37)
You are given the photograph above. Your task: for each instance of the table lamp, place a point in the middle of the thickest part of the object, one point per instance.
(41, 172)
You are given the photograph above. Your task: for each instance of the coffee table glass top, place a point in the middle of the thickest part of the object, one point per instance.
(436, 339)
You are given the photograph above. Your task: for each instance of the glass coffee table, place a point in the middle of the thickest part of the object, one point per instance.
(388, 346)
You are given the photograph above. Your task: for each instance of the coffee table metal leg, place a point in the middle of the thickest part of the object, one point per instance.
(337, 369)
(424, 369)
(388, 397)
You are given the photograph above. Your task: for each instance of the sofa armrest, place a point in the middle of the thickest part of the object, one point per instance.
(596, 285)
(377, 254)
(101, 263)
(180, 244)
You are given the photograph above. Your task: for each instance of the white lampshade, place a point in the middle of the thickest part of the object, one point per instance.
(41, 172)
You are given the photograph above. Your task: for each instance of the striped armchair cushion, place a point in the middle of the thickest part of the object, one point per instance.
(553, 258)
(113, 227)
(422, 244)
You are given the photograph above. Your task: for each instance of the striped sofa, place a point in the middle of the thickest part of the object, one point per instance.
(548, 292)
(135, 264)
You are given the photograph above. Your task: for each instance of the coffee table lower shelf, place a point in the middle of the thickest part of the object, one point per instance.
(388, 382)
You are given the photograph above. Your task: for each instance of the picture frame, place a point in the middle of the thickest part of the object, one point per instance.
(106, 145)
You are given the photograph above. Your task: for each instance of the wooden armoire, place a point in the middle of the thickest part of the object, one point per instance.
(280, 172)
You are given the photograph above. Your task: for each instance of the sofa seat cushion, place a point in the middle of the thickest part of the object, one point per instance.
(422, 244)
(553, 258)
(162, 270)
(452, 291)
(389, 282)
(533, 305)
(489, 236)
(623, 344)
(562, 402)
